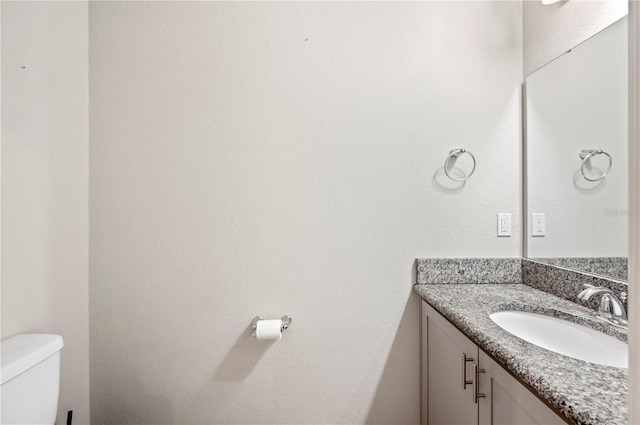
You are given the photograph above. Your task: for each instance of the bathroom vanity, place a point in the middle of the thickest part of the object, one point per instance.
(474, 372)
(464, 385)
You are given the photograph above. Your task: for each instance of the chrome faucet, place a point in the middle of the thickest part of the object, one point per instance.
(611, 307)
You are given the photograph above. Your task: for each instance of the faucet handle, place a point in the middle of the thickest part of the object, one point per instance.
(606, 306)
(612, 310)
(611, 306)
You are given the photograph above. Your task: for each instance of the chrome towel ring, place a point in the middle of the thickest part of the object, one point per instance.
(586, 154)
(454, 154)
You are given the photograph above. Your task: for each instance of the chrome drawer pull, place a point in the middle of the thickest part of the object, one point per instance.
(476, 371)
(465, 359)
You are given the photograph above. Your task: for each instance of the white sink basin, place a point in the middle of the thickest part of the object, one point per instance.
(564, 337)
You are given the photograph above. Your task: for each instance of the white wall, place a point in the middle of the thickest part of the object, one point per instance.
(550, 30)
(44, 184)
(285, 158)
(580, 101)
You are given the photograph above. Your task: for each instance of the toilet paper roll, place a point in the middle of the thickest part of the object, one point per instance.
(269, 329)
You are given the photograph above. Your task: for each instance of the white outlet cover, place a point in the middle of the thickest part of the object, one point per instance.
(538, 225)
(504, 224)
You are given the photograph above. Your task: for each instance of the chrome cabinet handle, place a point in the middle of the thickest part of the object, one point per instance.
(465, 359)
(476, 372)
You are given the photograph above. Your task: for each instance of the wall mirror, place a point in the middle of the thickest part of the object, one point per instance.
(576, 157)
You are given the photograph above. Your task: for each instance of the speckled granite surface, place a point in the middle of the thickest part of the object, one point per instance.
(611, 267)
(585, 393)
(468, 270)
(566, 283)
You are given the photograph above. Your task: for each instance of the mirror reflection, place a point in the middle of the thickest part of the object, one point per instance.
(576, 147)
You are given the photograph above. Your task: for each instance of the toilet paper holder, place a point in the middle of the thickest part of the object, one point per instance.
(286, 321)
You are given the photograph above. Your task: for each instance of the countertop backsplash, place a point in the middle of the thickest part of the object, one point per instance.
(468, 270)
(559, 281)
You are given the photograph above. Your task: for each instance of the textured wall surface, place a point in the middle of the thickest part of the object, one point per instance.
(44, 184)
(550, 30)
(286, 158)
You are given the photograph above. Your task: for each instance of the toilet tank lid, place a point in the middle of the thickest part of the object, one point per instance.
(21, 352)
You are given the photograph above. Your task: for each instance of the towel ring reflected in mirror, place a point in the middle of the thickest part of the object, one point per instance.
(454, 154)
(587, 154)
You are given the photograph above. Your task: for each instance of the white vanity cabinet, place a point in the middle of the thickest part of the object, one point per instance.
(462, 385)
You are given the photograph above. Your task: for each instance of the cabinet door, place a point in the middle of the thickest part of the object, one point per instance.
(507, 401)
(448, 399)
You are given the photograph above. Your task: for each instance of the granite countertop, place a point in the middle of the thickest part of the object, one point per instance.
(585, 393)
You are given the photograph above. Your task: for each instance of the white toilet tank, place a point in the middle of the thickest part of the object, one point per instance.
(30, 378)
